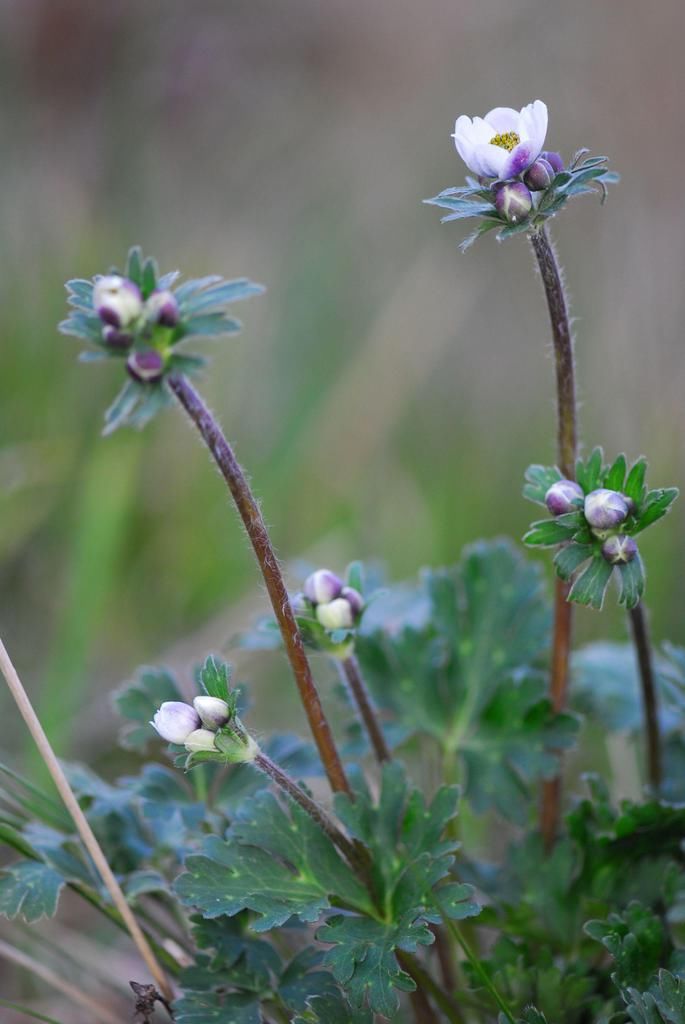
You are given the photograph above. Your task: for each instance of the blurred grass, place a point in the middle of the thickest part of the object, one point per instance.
(388, 392)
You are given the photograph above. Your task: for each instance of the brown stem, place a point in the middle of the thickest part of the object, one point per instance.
(420, 1004)
(250, 513)
(567, 445)
(80, 821)
(317, 813)
(650, 702)
(352, 674)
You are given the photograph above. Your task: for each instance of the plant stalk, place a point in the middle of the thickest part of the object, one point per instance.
(80, 821)
(251, 515)
(352, 675)
(650, 703)
(317, 813)
(567, 448)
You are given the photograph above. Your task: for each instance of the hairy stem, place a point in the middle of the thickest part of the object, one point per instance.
(352, 675)
(80, 821)
(567, 445)
(317, 813)
(650, 703)
(251, 515)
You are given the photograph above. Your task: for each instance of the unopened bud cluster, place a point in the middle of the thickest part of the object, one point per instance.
(335, 605)
(605, 512)
(124, 314)
(203, 727)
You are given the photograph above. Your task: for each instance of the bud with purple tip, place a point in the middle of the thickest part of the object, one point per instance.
(513, 201)
(162, 308)
(116, 339)
(554, 160)
(146, 366)
(620, 549)
(354, 599)
(604, 509)
(336, 614)
(563, 496)
(117, 300)
(200, 740)
(539, 175)
(322, 587)
(175, 721)
(213, 711)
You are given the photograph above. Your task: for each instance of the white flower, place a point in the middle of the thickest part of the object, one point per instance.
(175, 721)
(504, 143)
(336, 614)
(213, 711)
(117, 300)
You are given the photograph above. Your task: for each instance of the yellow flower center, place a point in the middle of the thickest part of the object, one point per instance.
(507, 140)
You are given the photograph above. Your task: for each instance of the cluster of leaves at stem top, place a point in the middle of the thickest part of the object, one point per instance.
(581, 554)
(478, 198)
(150, 331)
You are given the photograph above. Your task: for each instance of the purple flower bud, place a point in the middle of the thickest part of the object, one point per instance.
(146, 366)
(199, 740)
(354, 599)
(300, 604)
(605, 510)
(561, 496)
(322, 586)
(539, 175)
(554, 159)
(162, 308)
(117, 300)
(620, 549)
(336, 614)
(114, 338)
(213, 711)
(175, 721)
(513, 201)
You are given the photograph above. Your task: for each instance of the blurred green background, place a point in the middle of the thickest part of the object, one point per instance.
(388, 392)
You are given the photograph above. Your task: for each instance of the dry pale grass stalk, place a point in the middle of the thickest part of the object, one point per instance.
(80, 821)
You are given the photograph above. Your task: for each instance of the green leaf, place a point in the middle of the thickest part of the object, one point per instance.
(218, 1008)
(86, 326)
(332, 1010)
(615, 477)
(28, 1012)
(363, 959)
(539, 479)
(210, 325)
(122, 407)
(134, 267)
(215, 678)
(635, 483)
(221, 294)
(149, 276)
(139, 699)
(276, 863)
(638, 942)
(632, 582)
(656, 505)
(482, 229)
(590, 587)
(30, 889)
(589, 472)
(547, 533)
(570, 557)
(441, 655)
(469, 209)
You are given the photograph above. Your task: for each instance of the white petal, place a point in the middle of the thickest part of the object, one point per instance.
(490, 159)
(465, 149)
(534, 124)
(503, 119)
(481, 132)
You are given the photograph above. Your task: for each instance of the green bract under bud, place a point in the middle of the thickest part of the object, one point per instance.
(513, 201)
(235, 748)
